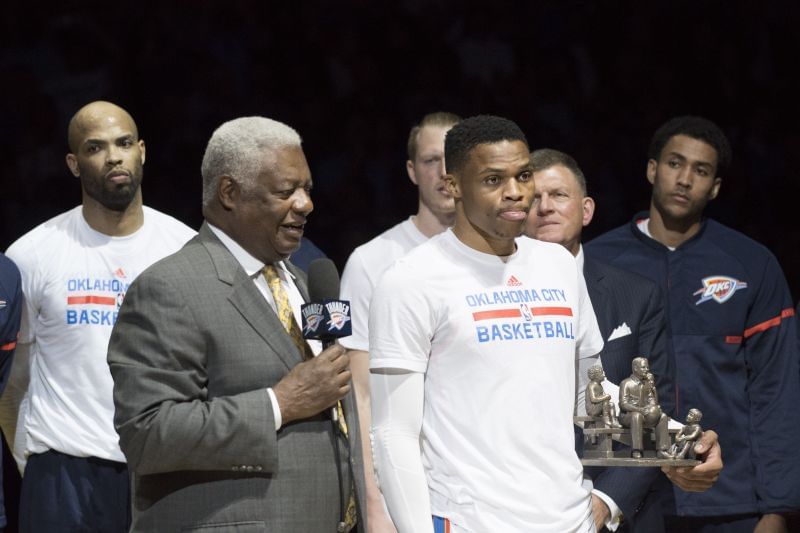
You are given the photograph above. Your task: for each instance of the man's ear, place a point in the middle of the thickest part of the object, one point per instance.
(715, 188)
(451, 183)
(228, 192)
(412, 172)
(141, 149)
(652, 165)
(588, 210)
(72, 163)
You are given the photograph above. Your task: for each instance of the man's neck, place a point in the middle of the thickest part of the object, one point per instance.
(110, 222)
(430, 224)
(671, 232)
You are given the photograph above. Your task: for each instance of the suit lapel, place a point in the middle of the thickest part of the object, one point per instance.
(598, 294)
(247, 299)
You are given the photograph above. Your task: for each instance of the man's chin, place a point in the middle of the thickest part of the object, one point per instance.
(548, 235)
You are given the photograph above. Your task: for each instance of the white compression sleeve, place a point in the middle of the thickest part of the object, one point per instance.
(397, 406)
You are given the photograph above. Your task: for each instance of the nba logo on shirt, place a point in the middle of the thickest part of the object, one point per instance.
(718, 288)
(526, 312)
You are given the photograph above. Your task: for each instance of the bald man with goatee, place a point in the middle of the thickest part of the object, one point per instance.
(58, 408)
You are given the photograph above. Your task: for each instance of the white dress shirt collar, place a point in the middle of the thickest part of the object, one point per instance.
(250, 264)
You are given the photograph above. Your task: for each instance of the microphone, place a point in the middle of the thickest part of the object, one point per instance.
(325, 317)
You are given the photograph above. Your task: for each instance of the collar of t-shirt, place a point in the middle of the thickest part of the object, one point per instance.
(644, 227)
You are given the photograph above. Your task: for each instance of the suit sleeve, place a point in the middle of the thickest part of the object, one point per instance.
(629, 486)
(771, 358)
(164, 416)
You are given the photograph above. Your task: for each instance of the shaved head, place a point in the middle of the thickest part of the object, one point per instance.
(105, 152)
(95, 115)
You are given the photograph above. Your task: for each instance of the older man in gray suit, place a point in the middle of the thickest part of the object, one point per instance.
(221, 407)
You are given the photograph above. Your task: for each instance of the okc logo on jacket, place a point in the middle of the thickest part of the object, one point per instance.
(719, 288)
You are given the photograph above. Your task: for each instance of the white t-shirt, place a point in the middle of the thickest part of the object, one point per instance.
(74, 279)
(363, 270)
(497, 339)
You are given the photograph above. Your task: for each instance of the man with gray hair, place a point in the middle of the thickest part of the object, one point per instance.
(221, 406)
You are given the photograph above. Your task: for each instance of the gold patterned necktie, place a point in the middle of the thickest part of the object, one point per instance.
(285, 314)
(284, 310)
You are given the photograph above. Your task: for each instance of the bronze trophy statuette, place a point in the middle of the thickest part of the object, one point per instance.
(641, 425)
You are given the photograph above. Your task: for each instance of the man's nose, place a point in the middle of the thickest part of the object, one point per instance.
(513, 190)
(113, 156)
(302, 202)
(544, 205)
(685, 177)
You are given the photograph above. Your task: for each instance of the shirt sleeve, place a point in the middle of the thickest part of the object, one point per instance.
(357, 287)
(401, 322)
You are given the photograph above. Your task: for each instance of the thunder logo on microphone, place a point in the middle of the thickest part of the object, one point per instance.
(333, 314)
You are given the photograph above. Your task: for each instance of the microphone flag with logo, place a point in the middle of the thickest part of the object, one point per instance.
(326, 317)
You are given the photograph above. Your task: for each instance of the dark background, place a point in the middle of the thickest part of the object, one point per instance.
(592, 78)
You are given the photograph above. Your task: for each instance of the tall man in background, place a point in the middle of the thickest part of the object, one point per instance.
(223, 410)
(732, 326)
(435, 213)
(76, 269)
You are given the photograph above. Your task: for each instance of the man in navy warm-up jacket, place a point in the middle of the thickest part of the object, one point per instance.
(731, 322)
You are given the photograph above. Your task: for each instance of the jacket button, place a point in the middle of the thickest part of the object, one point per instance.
(235, 468)
(259, 469)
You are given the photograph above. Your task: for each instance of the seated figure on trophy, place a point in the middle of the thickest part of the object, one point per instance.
(598, 402)
(638, 403)
(683, 448)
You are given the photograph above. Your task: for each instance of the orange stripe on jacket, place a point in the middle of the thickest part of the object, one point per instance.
(771, 323)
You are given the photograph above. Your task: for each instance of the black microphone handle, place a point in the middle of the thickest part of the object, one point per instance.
(327, 342)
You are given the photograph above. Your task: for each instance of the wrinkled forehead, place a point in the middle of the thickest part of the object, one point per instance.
(556, 177)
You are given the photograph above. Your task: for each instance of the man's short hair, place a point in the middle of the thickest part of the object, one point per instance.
(544, 158)
(695, 127)
(441, 119)
(470, 132)
(238, 149)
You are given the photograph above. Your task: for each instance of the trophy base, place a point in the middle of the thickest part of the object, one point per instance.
(643, 462)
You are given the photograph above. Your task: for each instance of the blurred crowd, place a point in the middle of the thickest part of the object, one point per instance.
(592, 79)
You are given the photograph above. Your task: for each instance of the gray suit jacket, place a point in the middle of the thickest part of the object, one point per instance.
(192, 353)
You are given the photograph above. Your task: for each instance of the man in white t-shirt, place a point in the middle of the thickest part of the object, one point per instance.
(75, 271)
(474, 337)
(425, 167)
